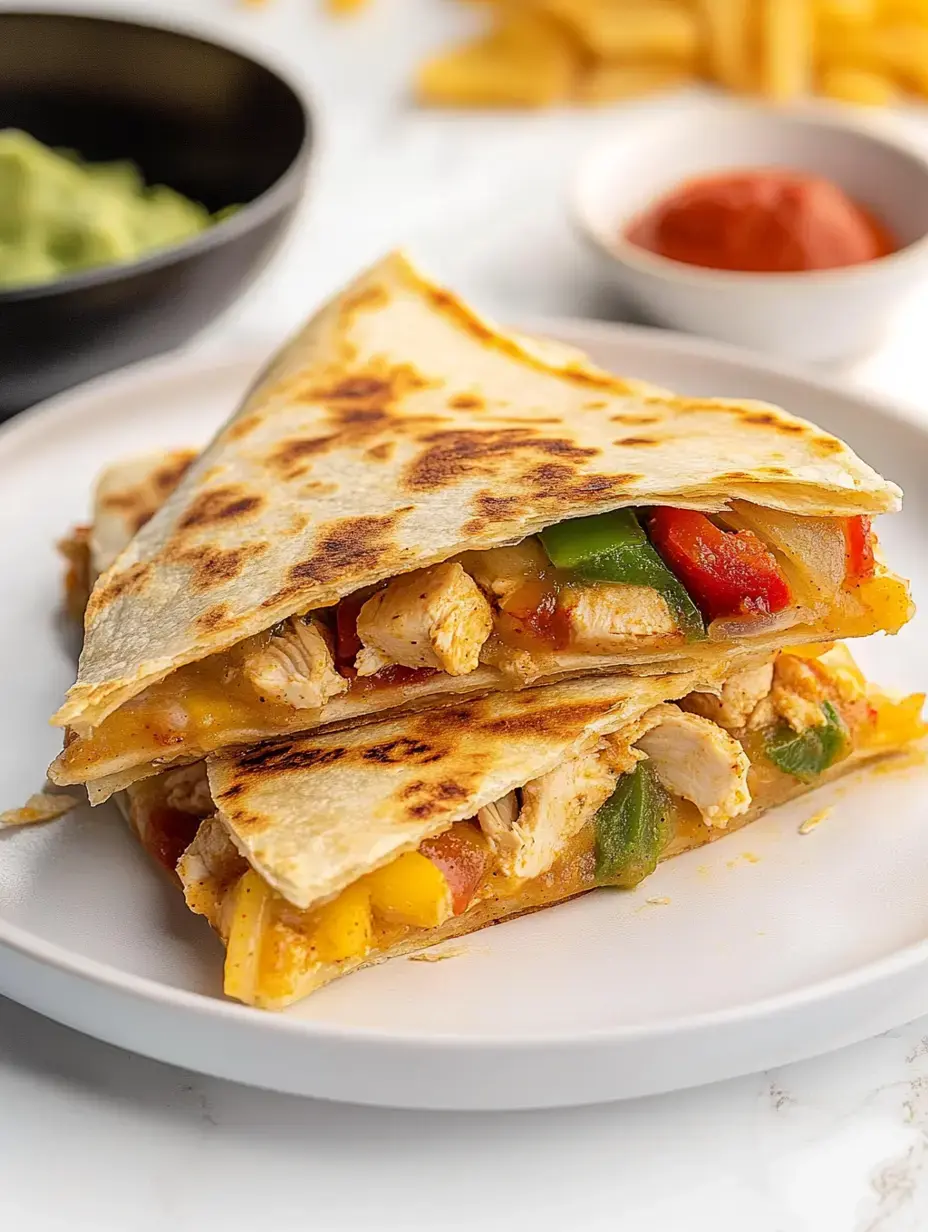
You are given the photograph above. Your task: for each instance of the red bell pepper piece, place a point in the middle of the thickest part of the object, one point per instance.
(858, 536)
(347, 642)
(727, 573)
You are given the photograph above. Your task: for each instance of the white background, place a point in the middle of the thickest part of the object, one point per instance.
(92, 1138)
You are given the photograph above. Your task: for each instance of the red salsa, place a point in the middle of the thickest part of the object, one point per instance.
(763, 221)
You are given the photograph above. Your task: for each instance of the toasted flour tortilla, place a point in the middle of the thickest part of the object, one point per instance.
(312, 814)
(280, 846)
(397, 429)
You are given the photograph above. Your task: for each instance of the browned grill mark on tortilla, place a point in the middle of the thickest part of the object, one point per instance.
(366, 300)
(358, 406)
(595, 406)
(382, 452)
(348, 543)
(139, 504)
(424, 799)
(213, 618)
(405, 749)
(487, 505)
(277, 758)
(244, 426)
(638, 442)
(212, 565)
(167, 477)
(826, 445)
(636, 421)
(452, 455)
(770, 419)
(217, 506)
(466, 402)
(544, 722)
(129, 581)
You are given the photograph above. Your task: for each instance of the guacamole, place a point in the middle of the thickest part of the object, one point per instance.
(59, 214)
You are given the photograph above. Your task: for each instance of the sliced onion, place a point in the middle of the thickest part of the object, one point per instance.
(814, 548)
(728, 627)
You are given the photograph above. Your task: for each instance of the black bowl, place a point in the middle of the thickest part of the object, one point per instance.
(201, 118)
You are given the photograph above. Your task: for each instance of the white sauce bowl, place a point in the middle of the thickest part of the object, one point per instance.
(825, 315)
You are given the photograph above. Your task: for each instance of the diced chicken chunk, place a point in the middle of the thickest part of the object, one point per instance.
(555, 807)
(209, 867)
(739, 696)
(602, 618)
(801, 685)
(500, 572)
(436, 617)
(296, 667)
(698, 760)
(186, 789)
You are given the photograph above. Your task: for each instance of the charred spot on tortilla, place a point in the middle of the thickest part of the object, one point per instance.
(130, 581)
(167, 477)
(369, 299)
(423, 799)
(213, 618)
(382, 452)
(216, 506)
(243, 427)
(826, 444)
(597, 485)
(638, 421)
(638, 442)
(456, 454)
(348, 542)
(403, 749)
(487, 505)
(277, 758)
(770, 419)
(212, 565)
(287, 459)
(466, 402)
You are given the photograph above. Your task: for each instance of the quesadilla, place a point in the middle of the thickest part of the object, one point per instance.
(316, 855)
(412, 506)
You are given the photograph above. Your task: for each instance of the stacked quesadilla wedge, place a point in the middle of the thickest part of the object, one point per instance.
(307, 650)
(412, 507)
(323, 853)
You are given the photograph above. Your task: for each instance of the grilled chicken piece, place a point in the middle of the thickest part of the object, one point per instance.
(740, 695)
(555, 807)
(436, 617)
(500, 572)
(208, 868)
(801, 685)
(296, 667)
(603, 618)
(187, 790)
(698, 760)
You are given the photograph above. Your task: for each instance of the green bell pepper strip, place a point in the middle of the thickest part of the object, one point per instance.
(805, 755)
(631, 828)
(612, 547)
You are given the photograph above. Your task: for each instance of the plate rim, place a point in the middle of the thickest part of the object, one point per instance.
(247, 355)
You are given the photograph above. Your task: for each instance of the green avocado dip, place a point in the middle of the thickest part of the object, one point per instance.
(59, 214)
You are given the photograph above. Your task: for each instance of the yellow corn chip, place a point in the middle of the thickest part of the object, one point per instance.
(526, 61)
(608, 82)
(649, 29)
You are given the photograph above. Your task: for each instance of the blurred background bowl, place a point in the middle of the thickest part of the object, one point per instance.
(204, 119)
(823, 316)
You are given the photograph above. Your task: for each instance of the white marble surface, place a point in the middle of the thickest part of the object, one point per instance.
(92, 1138)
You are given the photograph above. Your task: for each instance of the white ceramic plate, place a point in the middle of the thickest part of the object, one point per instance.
(768, 947)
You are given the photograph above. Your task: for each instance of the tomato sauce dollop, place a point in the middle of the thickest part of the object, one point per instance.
(763, 222)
